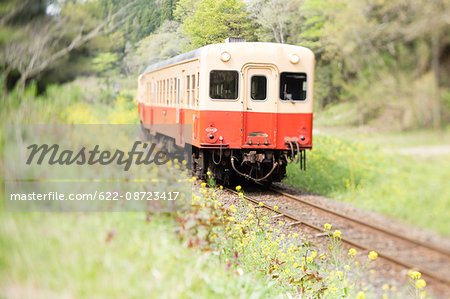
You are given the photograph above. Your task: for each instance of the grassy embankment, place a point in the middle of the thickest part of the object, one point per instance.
(211, 251)
(369, 171)
(51, 255)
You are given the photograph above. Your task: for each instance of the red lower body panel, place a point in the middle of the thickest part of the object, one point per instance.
(235, 129)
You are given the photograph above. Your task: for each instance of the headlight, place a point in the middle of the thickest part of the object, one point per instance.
(225, 56)
(294, 59)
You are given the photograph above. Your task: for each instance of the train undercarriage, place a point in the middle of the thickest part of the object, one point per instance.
(231, 166)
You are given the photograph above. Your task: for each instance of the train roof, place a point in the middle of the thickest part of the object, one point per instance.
(182, 57)
(197, 52)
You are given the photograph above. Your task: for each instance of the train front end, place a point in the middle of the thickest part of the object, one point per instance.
(255, 112)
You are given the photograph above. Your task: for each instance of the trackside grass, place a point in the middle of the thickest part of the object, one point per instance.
(210, 251)
(57, 255)
(213, 250)
(412, 189)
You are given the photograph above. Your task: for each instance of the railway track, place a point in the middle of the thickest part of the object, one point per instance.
(432, 261)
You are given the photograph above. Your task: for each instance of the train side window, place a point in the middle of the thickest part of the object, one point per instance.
(154, 93)
(174, 96)
(178, 80)
(223, 85)
(167, 92)
(198, 85)
(172, 92)
(188, 98)
(163, 93)
(293, 86)
(159, 92)
(147, 93)
(193, 89)
(258, 90)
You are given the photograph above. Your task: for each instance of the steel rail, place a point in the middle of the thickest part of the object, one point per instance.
(374, 227)
(348, 241)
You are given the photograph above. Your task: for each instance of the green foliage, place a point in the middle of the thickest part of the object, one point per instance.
(147, 16)
(247, 239)
(214, 21)
(146, 255)
(166, 42)
(104, 64)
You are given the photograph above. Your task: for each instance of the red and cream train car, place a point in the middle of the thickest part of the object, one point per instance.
(249, 104)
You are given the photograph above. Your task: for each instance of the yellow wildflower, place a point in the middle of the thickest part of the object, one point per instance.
(373, 255)
(360, 295)
(327, 226)
(238, 188)
(275, 208)
(203, 185)
(352, 252)
(385, 287)
(347, 267)
(221, 187)
(208, 173)
(337, 234)
(231, 219)
(420, 283)
(261, 204)
(414, 274)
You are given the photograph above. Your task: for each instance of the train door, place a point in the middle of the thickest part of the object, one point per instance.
(260, 105)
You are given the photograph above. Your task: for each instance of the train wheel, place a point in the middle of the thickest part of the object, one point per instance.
(144, 134)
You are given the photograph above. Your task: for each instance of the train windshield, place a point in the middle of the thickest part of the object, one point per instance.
(223, 85)
(259, 88)
(293, 86)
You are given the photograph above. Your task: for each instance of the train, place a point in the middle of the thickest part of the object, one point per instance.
(249, 106)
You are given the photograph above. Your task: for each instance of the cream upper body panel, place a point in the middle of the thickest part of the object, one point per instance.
(271, 58)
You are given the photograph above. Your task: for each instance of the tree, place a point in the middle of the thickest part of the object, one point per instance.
(363, 47)
(166, 42)
(46, 39)
(210, 21)
(104, 64)
(275, 18)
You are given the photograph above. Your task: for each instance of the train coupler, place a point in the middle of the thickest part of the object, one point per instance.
(297, 155)
(253, 157)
